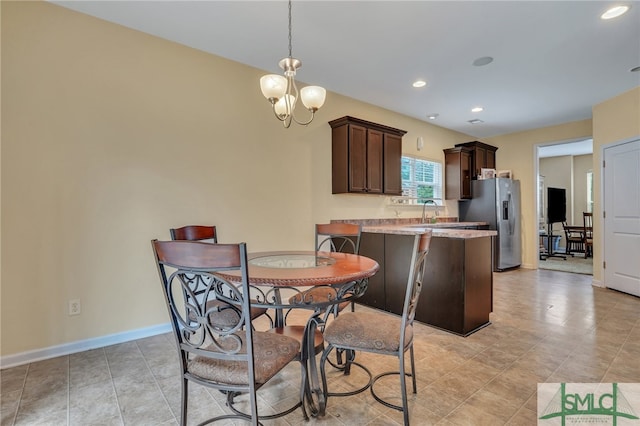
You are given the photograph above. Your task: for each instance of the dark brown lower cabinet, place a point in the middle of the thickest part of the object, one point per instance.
(372, 245)
(457, 291)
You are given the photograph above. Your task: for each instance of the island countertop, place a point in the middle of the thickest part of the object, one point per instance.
(413, 226)
(437, 231)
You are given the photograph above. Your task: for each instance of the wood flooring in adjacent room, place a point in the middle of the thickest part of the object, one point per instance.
(547, 326)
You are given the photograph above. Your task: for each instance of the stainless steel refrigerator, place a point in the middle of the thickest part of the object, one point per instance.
(497, 201)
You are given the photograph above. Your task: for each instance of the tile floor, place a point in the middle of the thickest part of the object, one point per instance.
(547, 326)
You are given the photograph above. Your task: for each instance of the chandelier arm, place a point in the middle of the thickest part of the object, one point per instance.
(292, 89)
(293, 114)
(273, 108)
(304, 123)
(291, 106)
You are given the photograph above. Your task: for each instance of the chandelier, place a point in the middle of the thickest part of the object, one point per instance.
(282, 92)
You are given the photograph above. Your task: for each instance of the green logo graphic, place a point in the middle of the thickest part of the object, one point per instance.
(587, 405)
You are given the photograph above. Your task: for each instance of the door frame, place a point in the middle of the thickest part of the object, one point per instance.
(536, 172)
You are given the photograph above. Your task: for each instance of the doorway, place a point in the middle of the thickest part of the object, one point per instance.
(567, 166)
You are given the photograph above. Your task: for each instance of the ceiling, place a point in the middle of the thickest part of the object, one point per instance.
(570, 148)
(553, 60)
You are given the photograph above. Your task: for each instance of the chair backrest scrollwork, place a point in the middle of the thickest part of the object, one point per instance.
(338, 237)
(188, 273)
(416, 276)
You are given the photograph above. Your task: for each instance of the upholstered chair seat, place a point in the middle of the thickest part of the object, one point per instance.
(353, 330)
(271, 354)
(317, 295)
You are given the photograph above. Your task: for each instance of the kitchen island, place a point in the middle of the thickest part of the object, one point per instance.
(457, 292)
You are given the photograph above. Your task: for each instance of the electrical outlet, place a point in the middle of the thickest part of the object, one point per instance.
(74, 307)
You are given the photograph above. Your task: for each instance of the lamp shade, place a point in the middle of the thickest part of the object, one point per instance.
(273, 86)
(285, 105)
(313, 97)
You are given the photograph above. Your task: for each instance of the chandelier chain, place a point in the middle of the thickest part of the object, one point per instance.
(290, 29)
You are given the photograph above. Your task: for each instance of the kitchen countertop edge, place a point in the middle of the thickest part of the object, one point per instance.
(437, 232)
(445, 227)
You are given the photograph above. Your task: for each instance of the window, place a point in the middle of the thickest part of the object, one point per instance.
(590, 192)
(541, 209)
(421, 180)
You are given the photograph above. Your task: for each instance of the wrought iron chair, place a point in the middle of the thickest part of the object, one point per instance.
(195, 233)
(335, 237)
(340, 237)
(207, 234)
(574, 237)
(232, 358)
(587, 221)
(381, 333)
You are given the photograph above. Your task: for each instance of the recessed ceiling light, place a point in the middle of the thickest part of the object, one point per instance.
(636, 69)
(614, 12)
(485, 60)
(475, 121)
(433, 116)
(477, 109)
(419, 83)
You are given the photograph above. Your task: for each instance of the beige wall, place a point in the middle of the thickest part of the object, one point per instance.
(614, 120)
(110, 137)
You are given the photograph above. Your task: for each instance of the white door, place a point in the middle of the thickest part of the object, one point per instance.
(622, 217)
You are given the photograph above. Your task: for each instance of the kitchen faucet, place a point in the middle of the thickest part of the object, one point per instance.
(424, 209)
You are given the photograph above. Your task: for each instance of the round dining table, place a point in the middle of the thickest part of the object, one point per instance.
(344, 276)
(307, 268)
(281, 280)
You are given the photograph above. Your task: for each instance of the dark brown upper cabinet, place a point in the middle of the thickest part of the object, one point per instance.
(365, 157)
(457, 173)
(483, 156)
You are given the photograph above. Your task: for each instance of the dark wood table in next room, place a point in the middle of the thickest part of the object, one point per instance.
(276, 276)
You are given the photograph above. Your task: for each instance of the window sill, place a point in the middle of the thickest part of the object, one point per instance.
(413, 202)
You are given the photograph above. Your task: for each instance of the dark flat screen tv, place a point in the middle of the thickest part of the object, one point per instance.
(556, 205)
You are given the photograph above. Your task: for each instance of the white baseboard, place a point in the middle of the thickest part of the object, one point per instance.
(597, 283)
(81, 345)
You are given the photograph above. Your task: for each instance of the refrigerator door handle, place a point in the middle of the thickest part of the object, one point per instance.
(511, 218)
